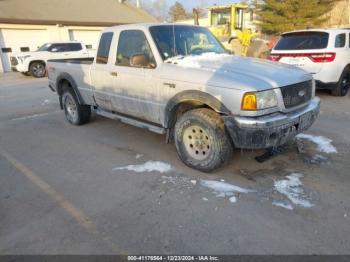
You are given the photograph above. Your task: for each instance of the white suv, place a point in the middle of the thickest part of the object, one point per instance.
(325, 53)
(34, 63)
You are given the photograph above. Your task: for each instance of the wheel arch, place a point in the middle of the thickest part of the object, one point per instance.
(342, 70)
(191, 99)
(65, 78)
(36, 61)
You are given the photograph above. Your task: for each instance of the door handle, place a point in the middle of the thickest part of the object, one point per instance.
(114, 74)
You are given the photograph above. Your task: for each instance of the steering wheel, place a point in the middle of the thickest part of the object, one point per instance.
(197, 51)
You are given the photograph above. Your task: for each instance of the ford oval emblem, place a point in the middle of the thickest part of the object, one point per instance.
(301, 93)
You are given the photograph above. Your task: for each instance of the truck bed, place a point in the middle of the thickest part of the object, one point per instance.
(78, 69)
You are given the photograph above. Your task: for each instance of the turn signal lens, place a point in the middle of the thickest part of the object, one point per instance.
(249, 101)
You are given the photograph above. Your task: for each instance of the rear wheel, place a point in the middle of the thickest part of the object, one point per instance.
(75, 113)
(342, 87)
(201, 140)
(37, 69)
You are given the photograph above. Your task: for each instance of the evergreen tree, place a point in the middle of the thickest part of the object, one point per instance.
(178, 12)
(279, 16)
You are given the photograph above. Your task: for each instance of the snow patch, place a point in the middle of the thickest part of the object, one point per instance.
(317, 159)
(205, 199)
(222, 187)
(194, 182)
(149, 166)
(324, 144)
(46, 102)
(138, 156)
(292, 189)
(233, 199)
(223, 190)
(283, 205)
(197, 61)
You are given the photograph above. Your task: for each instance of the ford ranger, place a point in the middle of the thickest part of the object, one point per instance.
(178, 80)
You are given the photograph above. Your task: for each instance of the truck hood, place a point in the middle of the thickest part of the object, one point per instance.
(236, 72)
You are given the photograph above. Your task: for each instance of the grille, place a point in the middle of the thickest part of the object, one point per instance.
(297, 94)
(14, 61)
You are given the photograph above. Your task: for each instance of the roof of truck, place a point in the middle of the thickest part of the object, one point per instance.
(144, 26)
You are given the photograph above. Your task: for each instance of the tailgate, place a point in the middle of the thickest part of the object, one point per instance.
(305, 49)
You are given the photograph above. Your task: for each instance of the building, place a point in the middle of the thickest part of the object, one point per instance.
(26, 25)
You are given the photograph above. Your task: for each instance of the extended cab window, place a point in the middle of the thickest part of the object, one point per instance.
(56, 48)
(133, 43)
(303, 41)
(340, 40)
(73, 47)
(103, 48)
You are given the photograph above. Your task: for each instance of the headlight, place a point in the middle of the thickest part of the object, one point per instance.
(259, 100)
(22, 58)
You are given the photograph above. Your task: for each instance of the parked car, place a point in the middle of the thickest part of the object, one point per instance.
(178, 80)
(34, 63)
(325, 53)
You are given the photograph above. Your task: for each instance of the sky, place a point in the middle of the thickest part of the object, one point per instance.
(188, 4)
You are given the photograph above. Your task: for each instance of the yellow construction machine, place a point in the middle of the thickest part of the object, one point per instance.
(227, 23)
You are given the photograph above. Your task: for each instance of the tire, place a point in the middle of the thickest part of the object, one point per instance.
(201, 140)
(343, 85)
(37, 69)
(75, 113)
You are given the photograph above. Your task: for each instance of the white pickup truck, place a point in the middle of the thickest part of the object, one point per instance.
(178, 80)
(34, 63)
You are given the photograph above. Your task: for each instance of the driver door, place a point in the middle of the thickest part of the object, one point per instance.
(134, 87)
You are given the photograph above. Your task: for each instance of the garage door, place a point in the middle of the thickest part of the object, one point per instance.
(17, 40)
(89, 38)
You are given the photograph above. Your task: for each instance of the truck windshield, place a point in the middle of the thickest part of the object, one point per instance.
(182, 40)
(303, 41)
(44, 47)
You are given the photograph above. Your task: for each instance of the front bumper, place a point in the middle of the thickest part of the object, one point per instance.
(271, 130)
(19, 68)
(329, 86)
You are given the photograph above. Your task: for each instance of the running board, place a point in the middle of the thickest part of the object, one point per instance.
(131, 121)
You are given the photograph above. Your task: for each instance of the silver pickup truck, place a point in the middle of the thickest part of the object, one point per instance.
(178, 80)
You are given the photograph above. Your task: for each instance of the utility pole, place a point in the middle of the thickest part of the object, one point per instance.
(348, 7)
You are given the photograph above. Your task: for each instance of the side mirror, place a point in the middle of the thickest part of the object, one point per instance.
(54, 49)
(140, 60)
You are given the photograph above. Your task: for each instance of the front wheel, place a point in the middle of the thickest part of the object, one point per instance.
(201, 140)
(75, 113)
(37, 69)
(342, 87)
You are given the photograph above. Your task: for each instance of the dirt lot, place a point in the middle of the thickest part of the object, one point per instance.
(70, 190)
